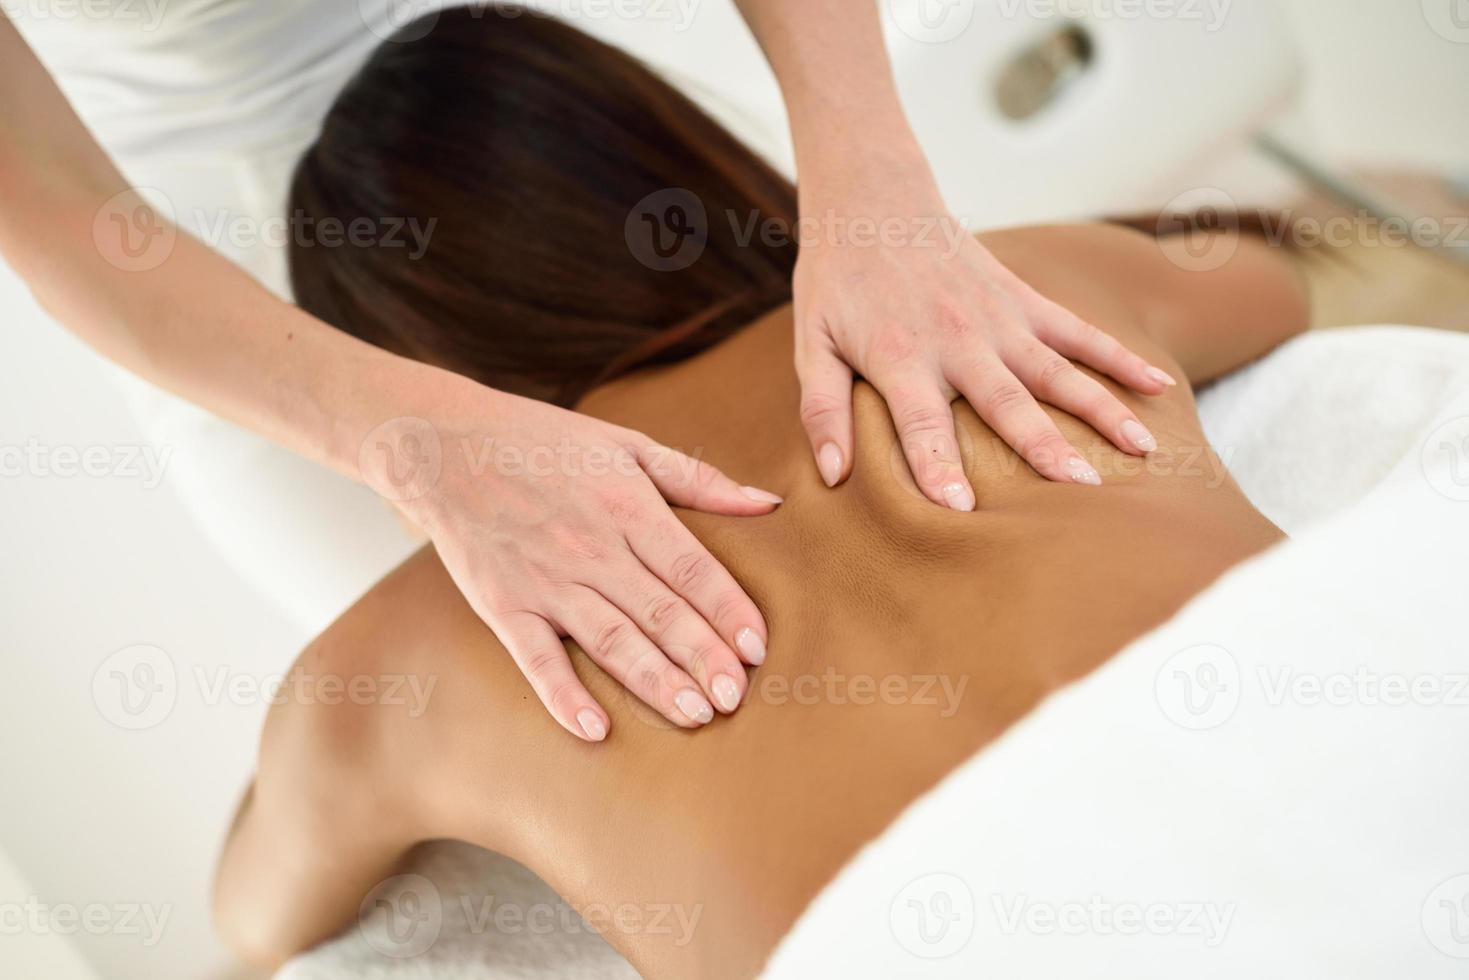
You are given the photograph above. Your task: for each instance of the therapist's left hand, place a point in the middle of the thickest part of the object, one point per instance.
(924, 318)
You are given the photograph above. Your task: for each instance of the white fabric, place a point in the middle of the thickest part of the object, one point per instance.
(1316, 836)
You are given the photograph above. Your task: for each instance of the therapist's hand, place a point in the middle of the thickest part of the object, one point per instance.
(556, 524)
(925, 315)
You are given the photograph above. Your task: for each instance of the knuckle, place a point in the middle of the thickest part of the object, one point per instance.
(563, 698)
(689, 571)
(699, 660)
(952, 319)
(624, 508)
(914, 421)
(662, 611)
(610, 637)
(580, 546)
(1005, 397)
(893, 346)
(729, 607)
(819, 409)
(541, 665)
(655, 684)
(1054, 370)
(1099, 403)
(706, 477)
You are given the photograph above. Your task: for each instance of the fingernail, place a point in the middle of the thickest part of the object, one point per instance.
(1082, 472)
(693, 705)
(752, 648)
(591, 723)
(761, 496)
(1139, 436)
(1162, 377)
(829, 461)
(726, 693)
(959, 496)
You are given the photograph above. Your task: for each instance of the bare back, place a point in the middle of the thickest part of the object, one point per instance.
(904, 636)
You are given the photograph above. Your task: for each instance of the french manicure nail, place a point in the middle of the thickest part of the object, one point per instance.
(959, 496)
(1162, 377)
(829, 462)
(751, 647)
(591, 724)
(693, 705)
(1140, 437)
(726, 693)
(1082, 472)
(761, 496)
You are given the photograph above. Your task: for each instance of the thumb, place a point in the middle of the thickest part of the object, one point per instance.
(826, 407)
(688, 482)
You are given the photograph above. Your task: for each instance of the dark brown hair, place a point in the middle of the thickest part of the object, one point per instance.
(532, 146)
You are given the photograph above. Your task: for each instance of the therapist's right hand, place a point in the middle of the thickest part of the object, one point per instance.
(554, 524)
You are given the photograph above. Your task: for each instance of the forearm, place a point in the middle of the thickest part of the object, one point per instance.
(847, 123)
(190, 322)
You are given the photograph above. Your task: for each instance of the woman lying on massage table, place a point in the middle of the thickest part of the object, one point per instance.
(907, 636)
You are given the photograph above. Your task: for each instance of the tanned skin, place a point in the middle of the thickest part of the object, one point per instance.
(905, 637)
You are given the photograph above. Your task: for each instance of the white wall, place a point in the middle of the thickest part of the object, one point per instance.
(1387, 81)
(94, 813)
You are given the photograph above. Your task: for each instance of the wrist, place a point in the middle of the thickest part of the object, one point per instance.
(413, 426)
(874, 187)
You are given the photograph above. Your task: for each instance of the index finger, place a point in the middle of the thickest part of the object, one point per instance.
(671, 552)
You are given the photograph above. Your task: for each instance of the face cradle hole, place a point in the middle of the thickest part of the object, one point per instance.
(1041, 73)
